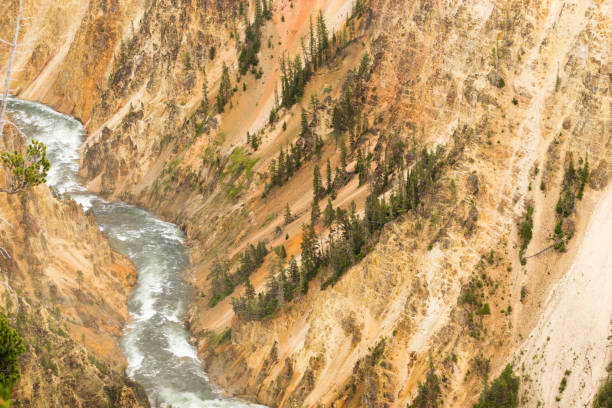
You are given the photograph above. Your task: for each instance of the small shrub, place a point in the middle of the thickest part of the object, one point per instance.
(484, 310)
(525, 233)
(501, 83)
(604, 396)
(503, 392)
(429, 393)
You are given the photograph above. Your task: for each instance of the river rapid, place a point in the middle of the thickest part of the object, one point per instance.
(155, 342)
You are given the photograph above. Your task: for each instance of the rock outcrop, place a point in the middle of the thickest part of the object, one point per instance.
(523, 88)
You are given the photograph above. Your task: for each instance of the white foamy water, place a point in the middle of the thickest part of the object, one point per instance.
(155, 342)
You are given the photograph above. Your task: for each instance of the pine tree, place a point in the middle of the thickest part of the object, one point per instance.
(205, 92)
(343, 155)
(288, 215)
(281, 166)
(258, 13)
(315, 213)
(273, 172)
(364, 66)
(304, 122)
(11, 346)
(249, 290)
(329, 214)
(294, 271)
(328, 177)
(322, 38)
(225, 89)
(255, 142)
(266, 10)
(310, 256)
(317, 189)
(312, 47)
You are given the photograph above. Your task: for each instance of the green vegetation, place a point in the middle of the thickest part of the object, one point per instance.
(503, 392)
(288, 162)
(254, 141)
(247, 59)
(348, 117)
(604, 396)
(225, 89)
(288, 216)
(603, 399)
(187, 62)
(240, 162)
(472, 298)
(574, 183)
(224, 283)
(429, 394)
(354, 235)
(315, 212)
(26, 171)
(271, 217)
(563, 383)
(11, 346)
(5, 397)
(217, 339)
(295, 74)
(525, 233)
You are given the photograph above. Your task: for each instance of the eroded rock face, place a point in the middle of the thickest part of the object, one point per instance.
(518, 84)
(65, 291)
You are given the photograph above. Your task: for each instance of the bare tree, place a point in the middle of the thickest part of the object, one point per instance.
(7, 82)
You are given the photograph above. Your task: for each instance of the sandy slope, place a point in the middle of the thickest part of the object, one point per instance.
(574, 329)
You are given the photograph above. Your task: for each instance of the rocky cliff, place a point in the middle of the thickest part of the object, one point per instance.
(65, 291)
(520, 90)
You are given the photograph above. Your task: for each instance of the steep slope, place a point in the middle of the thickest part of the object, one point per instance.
(518, 89)
(65, 291)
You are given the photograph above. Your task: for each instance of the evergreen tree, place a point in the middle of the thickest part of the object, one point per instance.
(315, 213)
(281, 167)
(11, 346)
(258, 12)
(266, 10)
(313, 45)
(225, 89)
(328, 176)
(249, 290)
(317, 188)
(322, 38)
(343, 155)
(310, 256)
(428, 394)
(255, 141)
(294, 271)
(329, 214)
(364, 66)
(304, 122)
(288, 215)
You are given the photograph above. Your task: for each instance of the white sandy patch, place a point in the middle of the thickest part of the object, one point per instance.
(573, 330)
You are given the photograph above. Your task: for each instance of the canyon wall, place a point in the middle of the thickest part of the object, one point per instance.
(65, 290)
(519, 88)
